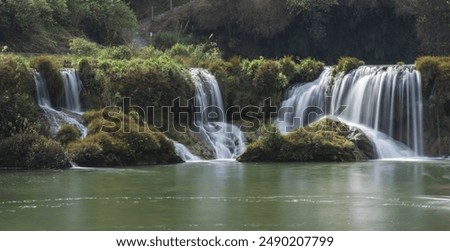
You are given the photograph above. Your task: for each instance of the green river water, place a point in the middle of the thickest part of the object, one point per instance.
(379, 195)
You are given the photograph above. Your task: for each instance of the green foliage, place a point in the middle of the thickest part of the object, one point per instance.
(67, 134)
(325, 140)
(288, 67)
(104, 21)
(45, 65)
(167, 39)
(116, 53)
(18, 110)
(435, 73)
(31, 151)
(200, 55)
(83, 47)
(307, 70)
(250, 82)
(46, 25)
(149, 52)
(347, 64)
(269, 78)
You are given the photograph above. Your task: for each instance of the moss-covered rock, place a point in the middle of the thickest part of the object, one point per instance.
(325, 140)
(32, 151)
(117, 139)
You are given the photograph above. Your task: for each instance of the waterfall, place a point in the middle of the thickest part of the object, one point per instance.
(227, 140)
(304, 104)
(383, 101)
(72, 90)
(59, 118)
(184, 152)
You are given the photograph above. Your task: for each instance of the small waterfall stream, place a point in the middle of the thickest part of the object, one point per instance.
(72, 115)
(383, 101)
(72, 90)
(184, 153)
(227, 140)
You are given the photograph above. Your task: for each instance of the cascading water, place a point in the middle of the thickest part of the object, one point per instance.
(184, 152)
(304, 104)
(72, 90)
(227, 140)
(385, 102)
(58, 118)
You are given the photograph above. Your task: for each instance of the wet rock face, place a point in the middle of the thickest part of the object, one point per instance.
(326, 140)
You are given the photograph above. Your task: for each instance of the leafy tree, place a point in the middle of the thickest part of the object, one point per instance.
(104, 21)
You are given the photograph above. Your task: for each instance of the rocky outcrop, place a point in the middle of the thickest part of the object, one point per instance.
(327, 140)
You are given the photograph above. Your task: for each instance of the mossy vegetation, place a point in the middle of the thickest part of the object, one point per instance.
(120, 141)
(435, 72)
(19, 112)
(46, 25)
(32, 151)
(67, 134)
(347, 64)
(325, 140)
(246, 82)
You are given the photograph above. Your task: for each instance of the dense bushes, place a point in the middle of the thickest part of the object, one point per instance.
(31, 151)
(152, 79)
(119, 143)
(326, 140)
(67, 134)
(18, 110)
(250, 82)
(46, 25)
(347, 64)
(435, 72)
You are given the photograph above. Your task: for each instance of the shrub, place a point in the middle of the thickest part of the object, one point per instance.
(18, 110)
(67, 134)
(347, 64)
(122, 52)
(149, 52)
(269, 78)
(83, 47)
(106, 22)
(307, 70)
(167, 39)
(435, 73)
(288, 67)
(15, 75)
(31, 151)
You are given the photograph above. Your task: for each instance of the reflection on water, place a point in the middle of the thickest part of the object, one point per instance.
(381, 195)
